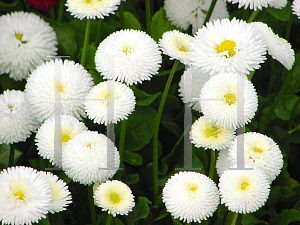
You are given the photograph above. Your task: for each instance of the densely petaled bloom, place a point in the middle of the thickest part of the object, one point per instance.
(279, 48)
(129, 56)
(25, 40)
(176, 45)
(45, 137)
(183, 13)
(71, 85)
(43, 4)
(190, 196)
(16, 120)
(207, 134)
(296, 8)
(228, 46)
(229, 100)
(244, 191)
(109, 102)
(25, 196)
(223, 161)
(115, 197)
(253, 4)
(260, 151)
(60, 192)
(90, 158)
(192, 80)
(92, 9)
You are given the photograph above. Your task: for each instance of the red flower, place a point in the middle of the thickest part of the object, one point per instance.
(43, 4)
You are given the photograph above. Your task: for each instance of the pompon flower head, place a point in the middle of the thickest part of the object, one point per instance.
(190, 196)
(43, 4)
(72, 85)
(90, 158)
(115, 197)
(16, 120)
(176, 45)
(109, 102)
(223, 161)
(70, 127)
(296, 8)
(129, 56)
(244, 191)
(253, 4)
(183, 13)
(92, 9)
(25, 196)
(60, 192)
(207, 134)
(229, 100)
(25, 40)
(192, 80)
(260, 151)
(279, 48)
(227, 46)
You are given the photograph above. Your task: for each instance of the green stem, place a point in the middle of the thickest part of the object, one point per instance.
(253, 15)
(108, 219)
(122, 140)
(288, 27)
(86, 42)
(234, 218)
(246, 13)
(92, 204)
(61, 10)
(121, 13)
(52, 13)
(98, 36)
(296, 128)
(212, 164)
(11, 155)
(148, 17)
(210, 10)
(156, 129)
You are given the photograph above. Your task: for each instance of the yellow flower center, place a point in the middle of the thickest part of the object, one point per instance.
(127, 50)
(258, 150)
(244, 185)
(19, 195)
(227, 45)
(65, 138)
(11, 107)
(88, 1)
(213, 131)
(19, 36)
(61, 88)
(230, 99)
(182, 49)
(193, 188)
(114, 197)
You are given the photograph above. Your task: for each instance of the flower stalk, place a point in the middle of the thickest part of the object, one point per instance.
(92, 204)
(86, 42)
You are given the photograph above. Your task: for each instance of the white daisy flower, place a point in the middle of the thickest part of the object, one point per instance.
(227, 46)
(92, 9)
(70, 127)
(129, 56)
(60, 192)
(244, 191)
(207, 134)
(16, 120)
(279, 48)
(115, 197)
(278, 4)
(296, 8)
(183, 13)
(260, 151)
(195, 79)
(25, 40)
(25, 196)
(223, 161)
(190, 196)
(176, 45)
(253, 4)
(109, 102)
(73, 85)
(229, 100)
(90, 158)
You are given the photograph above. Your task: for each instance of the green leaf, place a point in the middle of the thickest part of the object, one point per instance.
(133, 158)
(117, 221)
(10, 83)
(176, 221)
(4, 155)
(281, 112)
(160, 24)
(142, 98)
(142, 209)
(171, 126)
(286, 217)
(97, 78)
(250, 219)
(281, 14)
(130, 22)
(132, 178)
(44, 221)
